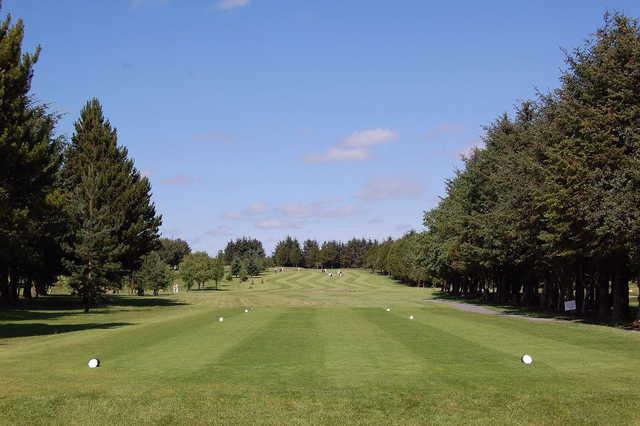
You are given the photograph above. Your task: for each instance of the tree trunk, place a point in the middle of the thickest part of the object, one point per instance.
(603, 302)
(620, 290)
(580, 290)
(4, 284)
(26, 292)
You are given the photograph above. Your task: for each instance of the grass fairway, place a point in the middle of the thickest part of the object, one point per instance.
(313, 351)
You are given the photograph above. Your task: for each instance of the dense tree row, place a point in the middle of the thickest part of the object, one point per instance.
(80, 209)
(246, 257)
(549, 210)
(404, 259)
(331, 254)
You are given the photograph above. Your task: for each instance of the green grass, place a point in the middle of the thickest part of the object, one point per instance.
(313, 351)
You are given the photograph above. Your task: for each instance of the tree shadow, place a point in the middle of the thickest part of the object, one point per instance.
(196, 290)
(58, 306)
(141, 301)
(42, 329)
(538, 313)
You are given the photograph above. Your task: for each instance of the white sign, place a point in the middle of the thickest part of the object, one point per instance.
(570, 305)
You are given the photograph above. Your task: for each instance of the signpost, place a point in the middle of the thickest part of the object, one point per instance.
(570, 305)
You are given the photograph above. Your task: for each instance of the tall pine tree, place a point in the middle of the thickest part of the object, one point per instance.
(29, 162)
(110, 208)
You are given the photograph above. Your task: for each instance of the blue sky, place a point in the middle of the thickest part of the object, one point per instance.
(326, 119)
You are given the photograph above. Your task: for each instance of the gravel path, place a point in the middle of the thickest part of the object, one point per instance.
(482, 310)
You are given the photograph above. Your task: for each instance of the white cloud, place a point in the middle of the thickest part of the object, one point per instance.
(228, 5)
(291, 215)
(316, 210)
(275, 223)
(356, 147)
(391, 188)
(366, 138)
(257, 208)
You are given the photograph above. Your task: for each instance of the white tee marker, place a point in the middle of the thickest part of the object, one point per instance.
(526, 359)
(94, 362)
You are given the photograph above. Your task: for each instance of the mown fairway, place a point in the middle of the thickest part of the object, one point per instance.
(314, 350)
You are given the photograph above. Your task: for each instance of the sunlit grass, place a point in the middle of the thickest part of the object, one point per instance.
(314, 350)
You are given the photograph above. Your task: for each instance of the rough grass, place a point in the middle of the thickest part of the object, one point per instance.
(313, 351)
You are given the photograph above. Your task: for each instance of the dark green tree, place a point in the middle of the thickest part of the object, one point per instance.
(173, 251)
(154, 274)
(31, 225)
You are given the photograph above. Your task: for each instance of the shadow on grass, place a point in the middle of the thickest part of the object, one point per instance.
(536, 313)
(41, 329)
(196, 290)
(58, 306)
(116, 300)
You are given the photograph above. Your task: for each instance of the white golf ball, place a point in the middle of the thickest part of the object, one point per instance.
(94, 362)
(220, 319)
(246, 310)
(410, 317)
(527, 359)
(388, 309)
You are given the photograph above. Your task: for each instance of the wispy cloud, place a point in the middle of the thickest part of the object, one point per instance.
(291, 215)
(356, 147)
(316, 210)
(367, 138)
(275, 223)
(179, 180)
(228, 5)
(394, 187)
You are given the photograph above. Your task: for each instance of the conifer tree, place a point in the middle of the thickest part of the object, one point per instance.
(29, 161)
(107, 197)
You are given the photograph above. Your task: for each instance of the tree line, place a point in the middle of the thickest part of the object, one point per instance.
(331, 254)
(549, 210)
(77, 207)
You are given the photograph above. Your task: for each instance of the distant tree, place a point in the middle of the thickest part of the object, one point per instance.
(252, 267)
(288, 253)
(330, 254)
(243, 275)
(311, 254)
(236, 266)
(197, 268)
(218, 269)
(243, 248)
(173, 251)
(154, 274)
(229, 276)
